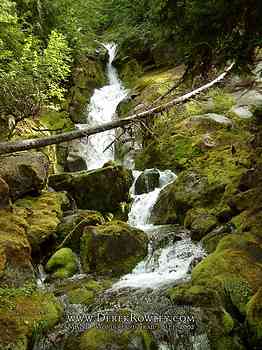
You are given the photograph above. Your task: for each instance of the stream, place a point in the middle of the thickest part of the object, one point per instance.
(171, 253)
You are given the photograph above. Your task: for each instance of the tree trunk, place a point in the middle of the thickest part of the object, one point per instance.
(22, 145)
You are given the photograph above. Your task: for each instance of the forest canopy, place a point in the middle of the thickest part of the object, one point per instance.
(41, 39)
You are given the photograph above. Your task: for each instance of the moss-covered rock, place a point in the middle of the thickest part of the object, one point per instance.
(114, 248)
(212, 316)
(82, 290)
(99, 339)
(208, 122)
(4, 194)
(234, 269)
(44, 215)
(56, 121)
(62, 264)
(15, 250)
(72, 226)
(200, 221)
(86, 291)
(211, 240)
(24, 313)
(87, 75)
(210, 182)
(24, 173)
(103, 189)
(190, 189)
(254, 319)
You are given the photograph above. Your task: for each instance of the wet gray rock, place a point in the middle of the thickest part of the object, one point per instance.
(102, 189)
(214, 118)
(242, 112)
(24, 173)
(147, 181)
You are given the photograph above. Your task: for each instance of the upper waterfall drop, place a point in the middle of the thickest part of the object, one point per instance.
(101, 110)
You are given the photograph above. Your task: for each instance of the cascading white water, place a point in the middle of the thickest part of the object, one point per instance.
(164, 265)
(103, 104)
(142, 206)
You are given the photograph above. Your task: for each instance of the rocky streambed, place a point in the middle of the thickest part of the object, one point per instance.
(73, 226)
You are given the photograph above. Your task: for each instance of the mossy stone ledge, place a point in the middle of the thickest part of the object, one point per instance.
(103, 189)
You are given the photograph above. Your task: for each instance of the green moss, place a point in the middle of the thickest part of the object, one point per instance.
(254, 318)
(228, 322)
(210, 241)
(23, 313)
(62, 264)
(200, 221)
(233, 269)
(130, 71)
(223, 101)
(99, 339)
(44, 214)
(86, 76)
(81, 296)
(195, 295)
(114, 248)
(15, 257)
(194, 108)
(217, 322)
(57, 120)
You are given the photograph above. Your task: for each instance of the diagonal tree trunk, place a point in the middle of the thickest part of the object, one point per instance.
(22, 145)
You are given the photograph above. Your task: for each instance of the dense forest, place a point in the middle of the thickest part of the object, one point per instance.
(42, 40)
(130, 174)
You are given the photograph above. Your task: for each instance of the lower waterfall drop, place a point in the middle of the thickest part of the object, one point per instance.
(166, 264)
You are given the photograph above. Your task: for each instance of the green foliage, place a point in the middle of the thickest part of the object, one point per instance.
(33, 79)
(202, 31)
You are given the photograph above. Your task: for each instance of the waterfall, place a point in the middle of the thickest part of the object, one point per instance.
(167, 264)
(99, 148)
(171, 252)
(142, 206)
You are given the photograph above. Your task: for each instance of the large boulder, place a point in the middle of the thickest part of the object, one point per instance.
(190, 189)
(15, 250)
(103, 189)
(62, 264)
(210, 316)
(233, 268)
(4, 194)
(114, 248)
(147, 181)
(44, 215)
(24, 173)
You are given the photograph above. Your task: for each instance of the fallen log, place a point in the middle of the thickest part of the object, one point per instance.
(22, 145)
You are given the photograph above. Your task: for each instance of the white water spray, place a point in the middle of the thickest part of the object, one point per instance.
(100, 148)
(164, 265)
